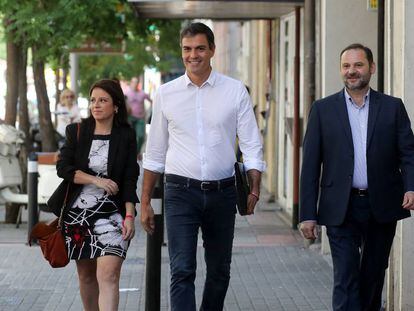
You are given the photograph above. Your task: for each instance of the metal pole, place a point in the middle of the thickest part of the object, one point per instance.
(153, 258)
(296, 123)
(32, 174)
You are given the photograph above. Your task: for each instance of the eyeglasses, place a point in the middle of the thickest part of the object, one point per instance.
(70, 96)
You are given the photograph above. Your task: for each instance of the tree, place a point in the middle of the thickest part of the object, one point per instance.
(50, 28)
(149, 43)
(12, 73)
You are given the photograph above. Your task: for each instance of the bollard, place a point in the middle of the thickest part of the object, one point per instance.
(32, 175)
(153, 258)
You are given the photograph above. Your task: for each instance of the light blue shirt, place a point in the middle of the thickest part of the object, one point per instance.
(358, 119)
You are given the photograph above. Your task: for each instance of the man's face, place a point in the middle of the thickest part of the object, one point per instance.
(196, 54)
(355, 69)
(134, 83)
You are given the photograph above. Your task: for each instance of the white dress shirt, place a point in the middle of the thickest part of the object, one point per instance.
(193, 129)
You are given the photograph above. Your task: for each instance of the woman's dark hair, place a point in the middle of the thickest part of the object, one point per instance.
(198, 28)
(113, 88)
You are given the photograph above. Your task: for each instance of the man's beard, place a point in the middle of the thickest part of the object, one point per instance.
(360, 85)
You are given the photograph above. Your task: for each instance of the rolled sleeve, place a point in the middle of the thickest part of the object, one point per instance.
(254, 164)
(248, 133)
(157, 142)
(153, 166)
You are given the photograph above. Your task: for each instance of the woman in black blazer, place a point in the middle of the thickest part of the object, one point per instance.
(99, 161)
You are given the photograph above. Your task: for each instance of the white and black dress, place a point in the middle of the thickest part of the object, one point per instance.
(93, 224)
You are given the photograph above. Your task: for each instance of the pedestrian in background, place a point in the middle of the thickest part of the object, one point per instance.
(362, 142)
(67, 111)
(100, 164)
(195, 120)
(136, 101)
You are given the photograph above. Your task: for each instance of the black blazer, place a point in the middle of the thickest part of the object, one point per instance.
(328, 149)
(122, 162)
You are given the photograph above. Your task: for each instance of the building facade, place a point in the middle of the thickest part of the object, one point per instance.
(262, 43)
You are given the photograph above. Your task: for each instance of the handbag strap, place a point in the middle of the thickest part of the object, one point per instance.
(67, 188)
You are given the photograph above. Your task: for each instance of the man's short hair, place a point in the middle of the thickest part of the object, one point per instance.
(198, 28)
(359, 46)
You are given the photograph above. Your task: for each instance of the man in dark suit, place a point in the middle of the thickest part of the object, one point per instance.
(362, 144)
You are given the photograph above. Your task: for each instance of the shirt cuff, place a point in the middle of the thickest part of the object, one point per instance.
(305, 221)
(153, 166)
(254, 165)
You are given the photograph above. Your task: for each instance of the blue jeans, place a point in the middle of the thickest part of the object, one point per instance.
(187, 209)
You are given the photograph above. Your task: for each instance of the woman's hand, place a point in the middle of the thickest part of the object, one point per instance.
(128, 227)
(107, 184)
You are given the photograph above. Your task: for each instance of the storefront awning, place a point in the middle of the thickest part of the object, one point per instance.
(192, 9)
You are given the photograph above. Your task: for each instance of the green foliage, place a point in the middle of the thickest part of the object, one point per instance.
(2, 43)
(57, 26)
(149, 43)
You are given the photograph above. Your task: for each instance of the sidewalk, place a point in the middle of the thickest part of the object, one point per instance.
(270, 271)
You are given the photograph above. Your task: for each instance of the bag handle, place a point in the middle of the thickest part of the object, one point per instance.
(67, 188)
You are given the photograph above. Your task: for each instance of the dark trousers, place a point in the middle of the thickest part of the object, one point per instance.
(187, 209)
(360, 249)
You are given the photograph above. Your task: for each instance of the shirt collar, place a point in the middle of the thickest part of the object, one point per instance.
(349, 100)
(211, 79)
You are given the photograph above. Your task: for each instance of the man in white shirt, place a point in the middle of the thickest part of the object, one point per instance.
(196, 118)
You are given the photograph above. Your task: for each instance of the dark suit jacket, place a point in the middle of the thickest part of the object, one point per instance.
(122, 162)
(328, 150)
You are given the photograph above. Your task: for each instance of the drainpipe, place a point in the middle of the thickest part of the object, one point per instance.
(270, 47)
(381, 34)
(309, 65)
(388, 290)
(269, 74)
(296, 123)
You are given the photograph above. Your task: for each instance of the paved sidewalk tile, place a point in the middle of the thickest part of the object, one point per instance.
(271, 270)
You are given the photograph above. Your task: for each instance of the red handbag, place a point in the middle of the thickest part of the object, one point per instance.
(52, 242)
(50, 236)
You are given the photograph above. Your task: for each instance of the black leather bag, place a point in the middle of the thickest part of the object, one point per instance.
(56, 201)
(242, 187)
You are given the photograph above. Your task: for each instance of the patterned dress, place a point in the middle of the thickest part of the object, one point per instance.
(93, 224)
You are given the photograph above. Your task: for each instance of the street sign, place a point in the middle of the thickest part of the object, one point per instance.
(372, 5)
(90, 46)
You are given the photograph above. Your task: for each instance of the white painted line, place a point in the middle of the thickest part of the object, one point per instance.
(129, 289)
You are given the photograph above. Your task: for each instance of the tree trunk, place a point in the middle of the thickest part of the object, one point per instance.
(47, 131)
(65, 78)
(57, 91)
(24, 121)
(13, 56)
(64, 64)
(12, 211)
(11, 79)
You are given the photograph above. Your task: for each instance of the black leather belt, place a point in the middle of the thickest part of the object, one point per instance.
(359, 192)
(200, 184)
